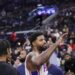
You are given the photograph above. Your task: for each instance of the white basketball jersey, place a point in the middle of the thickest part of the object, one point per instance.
(42, 71)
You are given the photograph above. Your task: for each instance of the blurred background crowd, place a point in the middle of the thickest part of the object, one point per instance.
(19, 19)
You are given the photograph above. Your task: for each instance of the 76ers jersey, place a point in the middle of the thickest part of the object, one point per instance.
(42, 71)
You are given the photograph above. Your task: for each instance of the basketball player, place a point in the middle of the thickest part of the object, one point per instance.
(35, 63)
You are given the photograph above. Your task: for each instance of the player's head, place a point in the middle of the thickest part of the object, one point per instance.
(38, 40)
(4, 47)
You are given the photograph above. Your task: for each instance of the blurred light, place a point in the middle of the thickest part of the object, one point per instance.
(43, 10)
(53, 10)
(39, 5)
(19, 43)
(39, 12)
(48, 11)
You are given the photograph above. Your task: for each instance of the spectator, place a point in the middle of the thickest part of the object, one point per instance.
(69, 63)
(65, 28)
(21, 68)
(17, 62)
(5, 68)
(22, 56)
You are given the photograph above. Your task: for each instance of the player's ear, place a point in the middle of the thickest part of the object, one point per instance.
(34, 44)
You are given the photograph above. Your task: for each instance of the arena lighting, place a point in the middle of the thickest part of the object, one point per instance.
(39, 13)
(42, 10)
(50, 11)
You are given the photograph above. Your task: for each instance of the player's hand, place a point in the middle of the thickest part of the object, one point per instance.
(62, 38)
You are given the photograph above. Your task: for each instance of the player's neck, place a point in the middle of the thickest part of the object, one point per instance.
(36, 50)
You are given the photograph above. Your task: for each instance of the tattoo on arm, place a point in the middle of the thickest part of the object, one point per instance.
(44, 56)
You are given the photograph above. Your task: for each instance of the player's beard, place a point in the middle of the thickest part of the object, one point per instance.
(42, 48)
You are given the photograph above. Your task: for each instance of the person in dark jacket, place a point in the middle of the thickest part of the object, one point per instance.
(6, 68)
